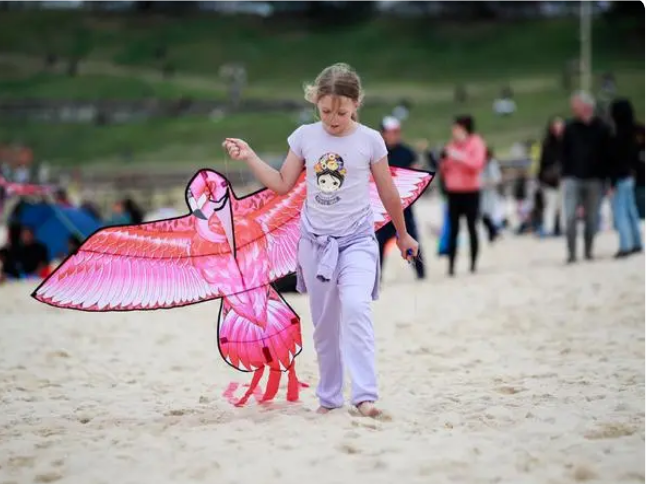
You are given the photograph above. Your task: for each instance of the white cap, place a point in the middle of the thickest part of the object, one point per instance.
(389, 123)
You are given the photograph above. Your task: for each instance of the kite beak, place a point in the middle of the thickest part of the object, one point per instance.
(196, 205)
(198, 213)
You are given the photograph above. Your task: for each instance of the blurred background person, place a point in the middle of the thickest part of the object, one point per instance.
(625, 152)
(33, 258)
(549, 177)
(402, 156)
(585, 154)
(490, 201)
(62, 198)
(639, 171)
(74, 243)
(119, 215)
(465, 157)
(133, 210)
(9, 253)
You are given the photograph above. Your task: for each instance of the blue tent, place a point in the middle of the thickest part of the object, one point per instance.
(53, 225)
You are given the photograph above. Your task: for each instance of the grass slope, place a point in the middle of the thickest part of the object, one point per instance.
(417, 59)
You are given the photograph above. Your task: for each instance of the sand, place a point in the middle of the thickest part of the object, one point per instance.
(528, 372)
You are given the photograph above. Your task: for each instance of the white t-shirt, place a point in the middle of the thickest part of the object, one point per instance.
(338, 176)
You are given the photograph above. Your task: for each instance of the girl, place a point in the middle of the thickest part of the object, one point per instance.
(338, 260)
(461, 170)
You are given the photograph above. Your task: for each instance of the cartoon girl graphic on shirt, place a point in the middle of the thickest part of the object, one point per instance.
(330, 173)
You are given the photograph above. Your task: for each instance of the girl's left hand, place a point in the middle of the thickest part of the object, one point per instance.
(408, 246)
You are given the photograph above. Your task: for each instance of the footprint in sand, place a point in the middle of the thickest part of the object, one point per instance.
(21, 461)
(583, 474)
(383, 417)
(348, 448)
(49, 432)
(610, 431)
(48, 477)
(178, 412)
(58, 354)
(366, 423)
(508, 390)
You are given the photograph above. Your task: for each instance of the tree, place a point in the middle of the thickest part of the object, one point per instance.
(173, 8)
(143, 7)
(339, 13)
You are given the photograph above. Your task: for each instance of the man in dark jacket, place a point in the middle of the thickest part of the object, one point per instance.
(585, 167)
(399, 155)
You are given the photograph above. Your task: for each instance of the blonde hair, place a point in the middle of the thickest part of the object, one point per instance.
(336, 80)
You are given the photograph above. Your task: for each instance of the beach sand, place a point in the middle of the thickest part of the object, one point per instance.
(527, 372)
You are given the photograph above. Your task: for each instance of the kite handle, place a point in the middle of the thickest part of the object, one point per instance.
(409, 251)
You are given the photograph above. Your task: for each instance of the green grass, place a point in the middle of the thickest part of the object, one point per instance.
(416, 59)
(276, 51)
(94, 87)
(197, 139)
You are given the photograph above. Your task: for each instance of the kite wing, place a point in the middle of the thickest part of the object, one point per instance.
(279, 217)
(155, 265)
(133, 268)
(281, 221)
(170, 263)
(410, 184)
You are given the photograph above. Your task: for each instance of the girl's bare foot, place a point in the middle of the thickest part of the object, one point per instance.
(368, 409)
(323, 410)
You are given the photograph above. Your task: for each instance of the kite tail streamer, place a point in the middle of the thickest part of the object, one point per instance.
(293, 390)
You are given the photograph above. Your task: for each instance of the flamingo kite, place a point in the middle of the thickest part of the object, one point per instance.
(226, 248)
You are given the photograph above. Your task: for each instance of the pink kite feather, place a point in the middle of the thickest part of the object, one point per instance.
(226, 248)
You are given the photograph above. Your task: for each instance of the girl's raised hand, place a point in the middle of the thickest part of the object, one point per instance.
(237, 149)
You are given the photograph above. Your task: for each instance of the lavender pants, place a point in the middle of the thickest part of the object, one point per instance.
(343, 326)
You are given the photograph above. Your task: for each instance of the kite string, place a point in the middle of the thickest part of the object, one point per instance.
(241, 174)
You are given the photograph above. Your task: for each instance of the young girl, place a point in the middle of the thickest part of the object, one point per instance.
(338, 260)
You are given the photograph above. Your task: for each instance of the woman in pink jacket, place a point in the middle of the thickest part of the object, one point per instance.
(463, 161)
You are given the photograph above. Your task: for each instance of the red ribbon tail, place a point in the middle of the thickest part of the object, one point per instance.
(293, 384)
(272, 385)
(258, 374)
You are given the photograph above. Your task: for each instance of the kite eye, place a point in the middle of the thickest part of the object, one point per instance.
(223, 184)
